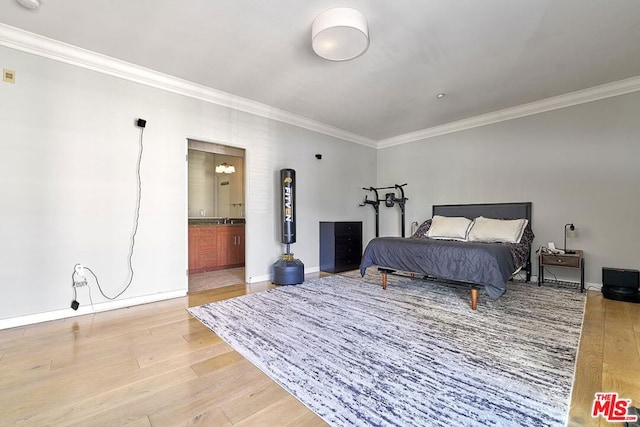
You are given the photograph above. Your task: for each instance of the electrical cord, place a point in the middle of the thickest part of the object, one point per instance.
(73, 283)
(100, 287)
(90, 299)
(555, 278)
(133, 236)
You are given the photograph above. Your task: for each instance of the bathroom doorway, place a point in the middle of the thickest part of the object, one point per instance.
(216, 215)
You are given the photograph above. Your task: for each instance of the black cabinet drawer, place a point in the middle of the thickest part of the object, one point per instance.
(343, 250)
(342, 239)
(347, 228)
(347, 264)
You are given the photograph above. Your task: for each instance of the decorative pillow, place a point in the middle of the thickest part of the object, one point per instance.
(449, 228)
(421, 232)
(497, 230)
(527, 236)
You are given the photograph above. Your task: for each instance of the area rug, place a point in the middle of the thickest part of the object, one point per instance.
(415, 354)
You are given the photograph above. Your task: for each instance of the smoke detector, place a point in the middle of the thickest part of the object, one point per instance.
(30, 4)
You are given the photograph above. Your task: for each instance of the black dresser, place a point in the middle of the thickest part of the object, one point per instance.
(340, 246)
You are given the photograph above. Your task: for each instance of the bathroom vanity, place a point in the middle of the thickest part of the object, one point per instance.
(215, 244)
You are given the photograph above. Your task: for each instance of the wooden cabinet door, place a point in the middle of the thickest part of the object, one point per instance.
(230, 246)
(224, 246)
(194, 234)
(240, 247)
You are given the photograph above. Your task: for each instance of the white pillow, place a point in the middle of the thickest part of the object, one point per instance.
(449, 228)
(497, 230)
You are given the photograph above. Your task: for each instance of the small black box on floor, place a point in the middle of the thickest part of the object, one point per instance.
(621, 284)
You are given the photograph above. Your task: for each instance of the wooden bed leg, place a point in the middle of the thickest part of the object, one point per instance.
(384, 280)
(474, 298)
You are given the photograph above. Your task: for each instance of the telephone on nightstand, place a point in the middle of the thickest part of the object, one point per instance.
(550, 250)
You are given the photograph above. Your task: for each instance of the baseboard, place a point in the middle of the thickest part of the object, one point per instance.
(255, 279)
(88, 309)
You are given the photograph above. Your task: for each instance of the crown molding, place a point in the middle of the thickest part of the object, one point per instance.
(25, 41)
(596, 93)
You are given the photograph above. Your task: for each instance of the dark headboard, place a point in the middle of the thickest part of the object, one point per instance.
(488, 210)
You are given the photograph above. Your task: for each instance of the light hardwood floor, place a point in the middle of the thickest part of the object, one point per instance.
(215, 279)
(608, 357)
(155, 365)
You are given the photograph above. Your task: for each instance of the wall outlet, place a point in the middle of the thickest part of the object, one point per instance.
(79, 278)
(79, 269)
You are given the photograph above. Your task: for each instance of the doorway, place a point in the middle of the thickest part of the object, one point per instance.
(216, 215)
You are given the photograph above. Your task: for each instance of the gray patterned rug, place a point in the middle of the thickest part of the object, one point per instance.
(415, 354)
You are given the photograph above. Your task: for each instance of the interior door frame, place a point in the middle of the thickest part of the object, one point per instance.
(211, 147)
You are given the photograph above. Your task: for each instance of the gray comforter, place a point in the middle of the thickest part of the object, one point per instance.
(488, 264)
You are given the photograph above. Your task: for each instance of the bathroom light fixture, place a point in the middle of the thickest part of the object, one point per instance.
(225, 168)
(30, 4)
(440, 95)
(340, 34)
(571, 230)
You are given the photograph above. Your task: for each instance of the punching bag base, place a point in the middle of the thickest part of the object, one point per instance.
(287, 272)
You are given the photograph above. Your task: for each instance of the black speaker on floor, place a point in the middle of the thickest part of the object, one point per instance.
(621, 284)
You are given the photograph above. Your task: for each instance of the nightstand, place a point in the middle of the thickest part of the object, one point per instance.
(574, 260)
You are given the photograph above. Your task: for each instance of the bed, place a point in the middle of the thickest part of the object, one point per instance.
(474, 263)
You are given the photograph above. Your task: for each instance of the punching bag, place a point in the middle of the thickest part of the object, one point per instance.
(287, 270)
(288, 202)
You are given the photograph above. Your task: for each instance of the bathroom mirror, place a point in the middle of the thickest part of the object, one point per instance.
(216, 185)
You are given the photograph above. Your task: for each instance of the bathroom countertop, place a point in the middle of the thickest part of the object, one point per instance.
(215, 221)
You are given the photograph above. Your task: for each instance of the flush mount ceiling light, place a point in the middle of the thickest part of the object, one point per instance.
(340, 34)
(225, 168)
(30, 4)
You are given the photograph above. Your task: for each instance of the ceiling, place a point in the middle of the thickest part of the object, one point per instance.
(486, 56)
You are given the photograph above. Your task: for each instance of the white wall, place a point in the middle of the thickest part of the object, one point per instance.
(67, 171)
(578, 164)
